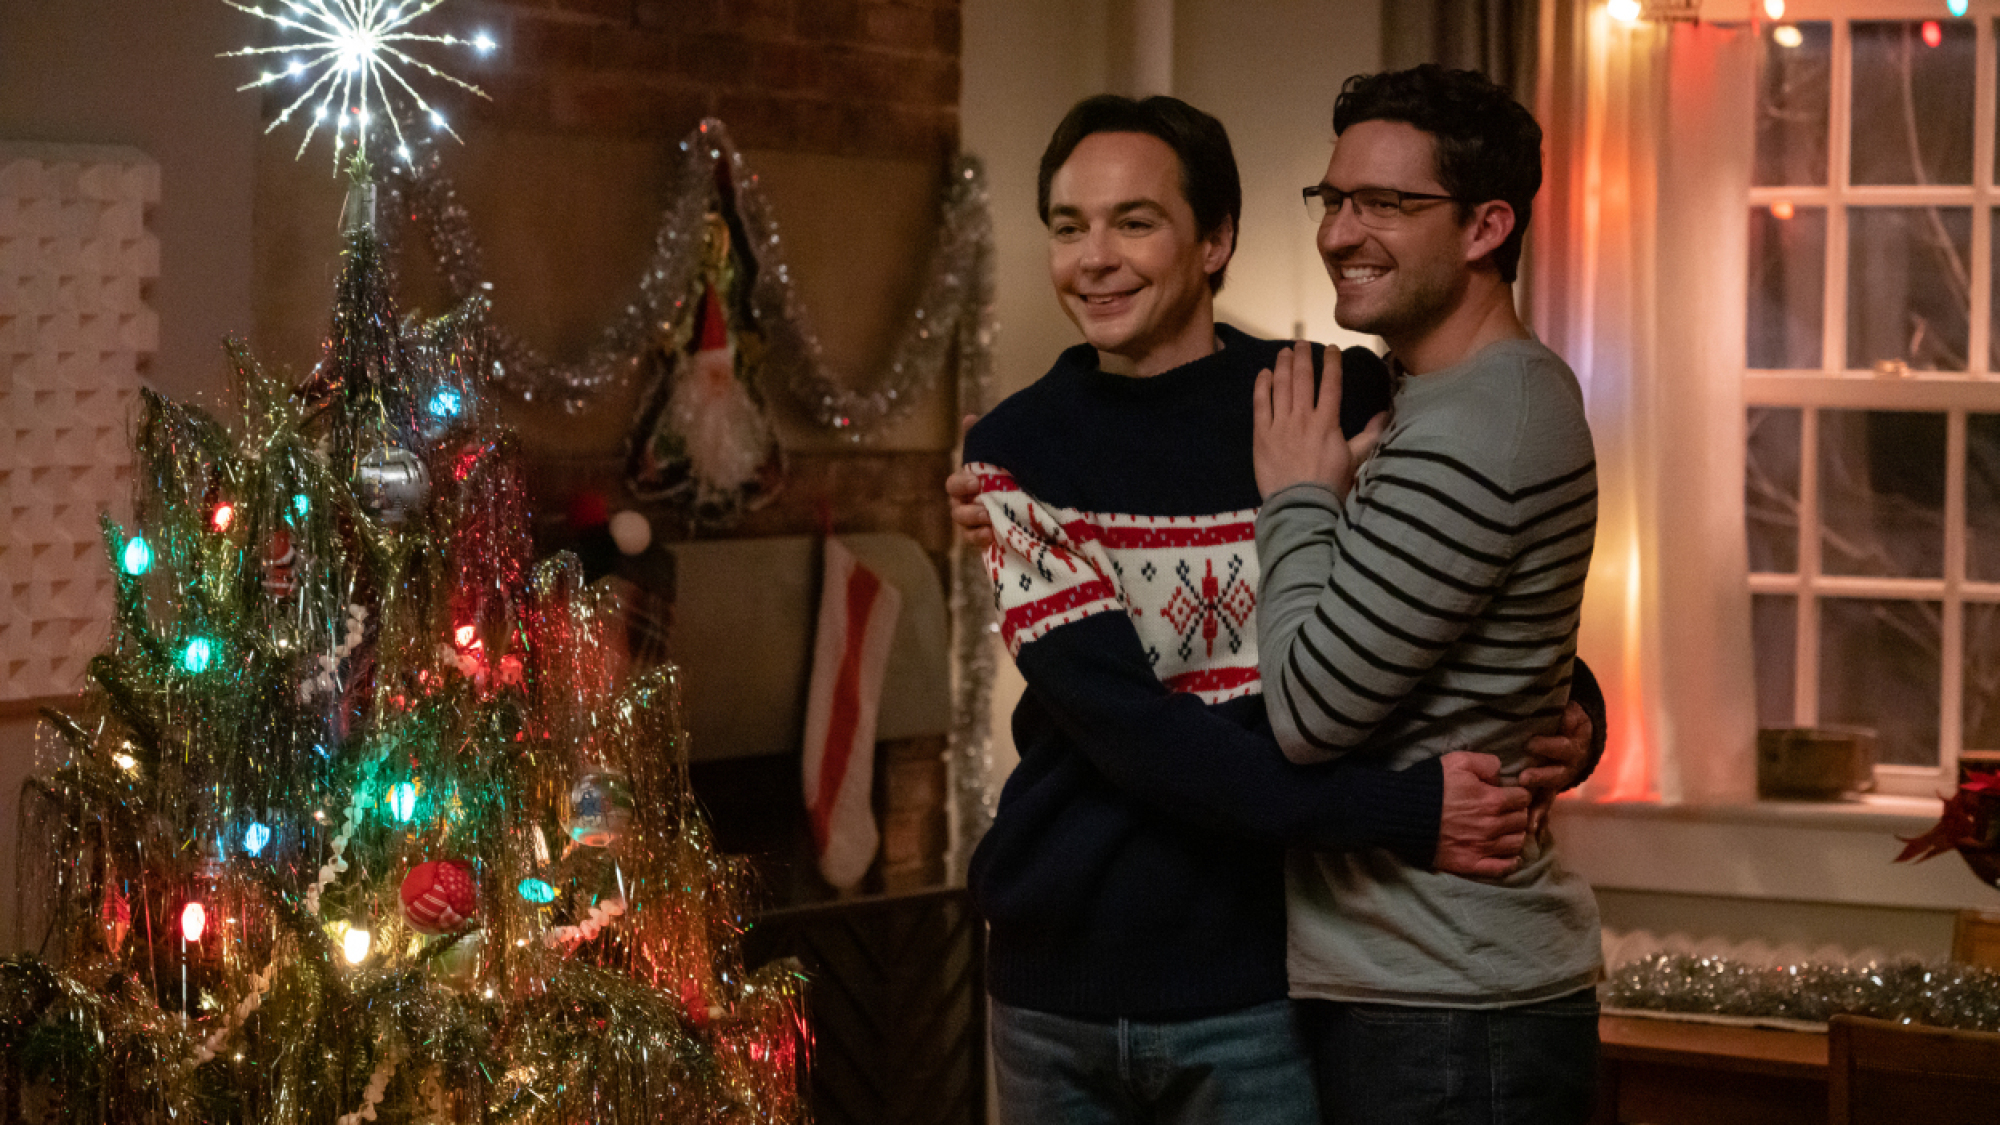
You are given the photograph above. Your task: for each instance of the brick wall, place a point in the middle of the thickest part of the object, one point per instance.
(875, 78)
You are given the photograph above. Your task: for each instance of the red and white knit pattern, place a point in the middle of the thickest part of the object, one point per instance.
(1189, 583)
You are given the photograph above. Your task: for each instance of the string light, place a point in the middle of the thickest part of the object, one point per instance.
(1782, 210)
(196, 656)
(194, 920)
(354, 944)
(445, 404)
(355, 49)
(255, 837)
(225, 514)
(301, 504)
(1932, 33)
(536, 891)
(1624, 11)
(1956, 7)
(403, 801)
(1787, 36)
(137, 558)
(1774, 9)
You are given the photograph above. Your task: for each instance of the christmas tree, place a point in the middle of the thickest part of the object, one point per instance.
(363, 814)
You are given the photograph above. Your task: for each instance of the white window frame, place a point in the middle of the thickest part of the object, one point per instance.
(1834, 385)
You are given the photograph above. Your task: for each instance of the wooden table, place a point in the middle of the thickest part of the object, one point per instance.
(1669, 1072)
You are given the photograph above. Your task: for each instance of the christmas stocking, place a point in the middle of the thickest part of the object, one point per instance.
(857, 622)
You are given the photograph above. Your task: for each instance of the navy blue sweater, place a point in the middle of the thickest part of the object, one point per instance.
(1135, 864)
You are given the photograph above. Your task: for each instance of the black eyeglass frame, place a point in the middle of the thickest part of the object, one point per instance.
(1315, 197)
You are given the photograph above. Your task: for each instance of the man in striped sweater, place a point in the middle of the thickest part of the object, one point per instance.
(1133, 878)
(1424, 599)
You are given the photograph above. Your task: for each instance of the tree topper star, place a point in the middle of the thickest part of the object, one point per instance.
(354, 48)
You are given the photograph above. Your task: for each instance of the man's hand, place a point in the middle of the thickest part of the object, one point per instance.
(974, 522)
(1296, 435)
(1555, 762)
(1483, 824)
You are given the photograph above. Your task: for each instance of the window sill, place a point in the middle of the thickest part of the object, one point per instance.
(1793, 851)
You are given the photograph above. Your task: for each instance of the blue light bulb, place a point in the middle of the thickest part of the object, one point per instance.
(137, 558)
(1956, 7)
(446, 403)
(534, 890)
(255, 837)
(196, 655)
(301, 504)
(403, 801)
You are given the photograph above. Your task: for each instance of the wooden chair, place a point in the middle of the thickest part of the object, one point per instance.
(1881, 1072)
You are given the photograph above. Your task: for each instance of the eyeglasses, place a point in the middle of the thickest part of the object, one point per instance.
(1374, 206)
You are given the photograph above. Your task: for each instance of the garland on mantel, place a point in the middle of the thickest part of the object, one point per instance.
(952, 321)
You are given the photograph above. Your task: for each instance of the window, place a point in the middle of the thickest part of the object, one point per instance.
(1872, 356)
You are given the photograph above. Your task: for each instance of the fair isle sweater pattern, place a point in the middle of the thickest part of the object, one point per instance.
(1189, 583)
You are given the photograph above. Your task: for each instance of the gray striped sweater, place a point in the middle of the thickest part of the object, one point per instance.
(1436, 610)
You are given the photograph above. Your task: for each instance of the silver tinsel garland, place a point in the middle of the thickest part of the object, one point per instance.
(953, 295)
(1938, 994)
(951, 327)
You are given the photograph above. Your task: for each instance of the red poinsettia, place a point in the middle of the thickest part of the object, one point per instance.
(1971, 819)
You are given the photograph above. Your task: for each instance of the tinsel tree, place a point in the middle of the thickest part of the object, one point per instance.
(362, 815)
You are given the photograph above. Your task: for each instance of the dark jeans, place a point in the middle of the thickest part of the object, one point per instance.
(1379, 1064)
(1247, 1067)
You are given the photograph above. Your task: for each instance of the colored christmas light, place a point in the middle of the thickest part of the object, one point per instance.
(225, 514)
(197, 654)
(1624, 11)
(403, 801)
(137, 558)
(536, 891)
(1956, 7)
(354, 944)
(1774, 9)
(301, 505)
(445, 404)
(1787, 36)
(194, 920)
(255, 837)
(1933, 35)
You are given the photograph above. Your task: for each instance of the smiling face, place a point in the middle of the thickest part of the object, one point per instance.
(1403, 281)
(1125, 257)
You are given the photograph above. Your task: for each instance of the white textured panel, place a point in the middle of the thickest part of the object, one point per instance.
(75, 261)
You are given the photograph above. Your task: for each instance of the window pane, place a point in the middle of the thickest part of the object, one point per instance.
(1982, 678)
(1771, 489)
(1913, 102)
(1794, 91)
(1982, 498)
(1774, 630)
(1907, 296)
(1881, 493)
(1878, 667)
(1787, 312)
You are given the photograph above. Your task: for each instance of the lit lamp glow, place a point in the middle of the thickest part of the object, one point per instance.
(194, 920)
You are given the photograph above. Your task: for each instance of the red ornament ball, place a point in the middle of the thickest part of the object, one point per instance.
(439, 896)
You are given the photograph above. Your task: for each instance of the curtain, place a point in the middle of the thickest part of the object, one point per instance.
(1639, 250)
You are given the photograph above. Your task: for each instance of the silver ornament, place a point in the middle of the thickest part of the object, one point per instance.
(391, 483)
(600, 808)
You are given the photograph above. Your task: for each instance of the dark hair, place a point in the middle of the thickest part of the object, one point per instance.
(1488, 144)
(1208, 165)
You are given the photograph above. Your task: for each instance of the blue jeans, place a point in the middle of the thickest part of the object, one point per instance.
(1246, 1067)
(1379, 1064)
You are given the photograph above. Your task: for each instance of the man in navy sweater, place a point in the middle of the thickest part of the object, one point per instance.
(1132, 879)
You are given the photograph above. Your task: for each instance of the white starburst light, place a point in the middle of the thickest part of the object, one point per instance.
(353, 52)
